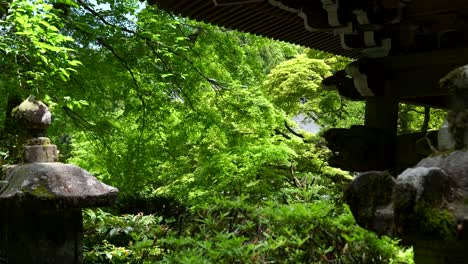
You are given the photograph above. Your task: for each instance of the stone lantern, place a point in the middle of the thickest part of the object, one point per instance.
(41, 199)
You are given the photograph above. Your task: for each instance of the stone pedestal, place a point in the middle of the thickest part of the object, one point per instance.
(41, 218)
(436, 252)
(43, 235)
(40, 150)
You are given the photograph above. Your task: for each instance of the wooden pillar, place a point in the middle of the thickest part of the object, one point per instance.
(382, 113)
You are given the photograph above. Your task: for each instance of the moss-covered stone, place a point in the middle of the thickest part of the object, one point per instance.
(33, 116)
(437, 223)
(65, 184)
(369, 196)
(40, 191)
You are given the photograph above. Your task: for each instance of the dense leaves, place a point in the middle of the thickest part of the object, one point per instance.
(310, 227)
(34, 50)
(295, 87)
(193, 124)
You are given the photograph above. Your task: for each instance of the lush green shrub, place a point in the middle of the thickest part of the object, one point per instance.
(233, 231)
(302, 220)
(119, 239)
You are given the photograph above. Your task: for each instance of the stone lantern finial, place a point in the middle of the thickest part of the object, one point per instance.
(34, 116)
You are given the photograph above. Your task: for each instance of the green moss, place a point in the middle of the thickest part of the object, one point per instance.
(41, 191)
(435, 222)
(30, 104)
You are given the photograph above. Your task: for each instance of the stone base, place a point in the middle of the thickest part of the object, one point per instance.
(440, 252)
(41, 236)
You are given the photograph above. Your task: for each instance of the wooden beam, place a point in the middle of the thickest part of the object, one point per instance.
(441, 102)
(418, 75)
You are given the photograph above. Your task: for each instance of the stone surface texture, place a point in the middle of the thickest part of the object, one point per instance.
(426, 206)
(66, 184)
(33, 114)
(40, 153)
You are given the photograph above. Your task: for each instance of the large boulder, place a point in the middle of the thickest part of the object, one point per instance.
(428, 200)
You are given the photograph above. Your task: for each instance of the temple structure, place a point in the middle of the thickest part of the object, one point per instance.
(402, 51)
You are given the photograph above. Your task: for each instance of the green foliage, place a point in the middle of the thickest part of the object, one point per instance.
(161, 106)
(411, 118)
(116, 239)
(295, 87)
(294, 79)
(194, 104)
(35, 58)
(232, 231)
(34, 51)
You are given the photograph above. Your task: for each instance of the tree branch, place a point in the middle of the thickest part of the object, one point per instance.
(124, 64)
(294, 132)
(278, 132)
(427, 118)
(148, 41)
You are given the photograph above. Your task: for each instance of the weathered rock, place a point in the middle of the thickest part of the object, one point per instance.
(438, 182)
(430, 184)
(454, 164)
(456, 82)
(64, 184)
(425, 205)
(369, 195)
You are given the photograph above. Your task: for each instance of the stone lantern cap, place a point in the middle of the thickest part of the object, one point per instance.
(40, 178)
(64, 184)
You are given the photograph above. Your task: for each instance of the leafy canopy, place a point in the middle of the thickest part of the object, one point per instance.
(162, 106)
